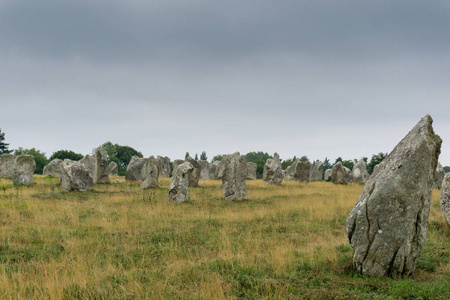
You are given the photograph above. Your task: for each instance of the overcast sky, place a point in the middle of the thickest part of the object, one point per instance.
(316, 78)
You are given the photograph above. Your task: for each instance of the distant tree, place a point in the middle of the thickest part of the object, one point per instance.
(3, 145)
(375, 160)
(446, 169)
(260, 159)
(326, 165)
(217, 157)
(339, 159)
(203, 156)
(196, 156)
(121, 155)
(39, 157)
(66, 154)
(186, 155)
(286, 163)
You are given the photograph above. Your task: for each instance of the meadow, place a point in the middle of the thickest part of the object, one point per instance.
(120, 242)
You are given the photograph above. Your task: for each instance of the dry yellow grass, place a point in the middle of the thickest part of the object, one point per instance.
(120, 242)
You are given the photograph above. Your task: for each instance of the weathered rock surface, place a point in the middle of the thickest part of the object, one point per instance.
(100, 161)
(300, 170)
(388, 225)
(204, 169)
(179, 186)
(359, 173)
(134, 169)
(74, 176)
(340, 174)
(150, 173)
(316, 171)
(7, 165)
(164, 166)
(194, 176)
(327, 174)
(233, 172)
(24, 166)
(176, 163)
(439, 176)
(52, 168)
(251, 170)
(113, 169)
(88, 162)
(445, 197)
(273, 172)
(214, 170)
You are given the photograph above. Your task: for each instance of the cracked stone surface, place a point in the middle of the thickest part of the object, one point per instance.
(273, 172)
(233, 172)
(445, 197)
(388, 224)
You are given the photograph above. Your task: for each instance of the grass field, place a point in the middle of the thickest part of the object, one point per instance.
(119, 242)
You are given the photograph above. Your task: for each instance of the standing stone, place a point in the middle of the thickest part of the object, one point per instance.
(388, 224)
(164, 166)
(251, 170)
(204, 169)
(316, 172)
(289, 173)
(301, 169)
(194, 176)
(340, 174)
(214, 169)
(74, 176)
(179, 186)
(113, 169)
(445, 197)
(273, 172)
(24, 166)
(52, 168)
(134, 169)
(7, 165)
(359, 173)
(327, 174)
(88, 162)
(150, 173)
(439, 177)
(176, 163)
(233, 171)
(100, 173)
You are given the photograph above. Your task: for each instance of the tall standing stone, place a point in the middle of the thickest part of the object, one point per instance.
(24, 166)
(340, 174)
(251, 170)
(359, 173)
(176, 163)
(273, 172)
(134, 169)
(316, 171)
(233, 172)
(52, 168)
(150, 173)
(194, 176)
(204, 169)
(113, 169)
(301, 169)
(327, 174)
(164, 166)
(445, 197)
(74, 176)
(439, 176)
(179, 186)
(88, 162)
(7, 165)
(388, 224)
(214, 169)
(100, 172)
